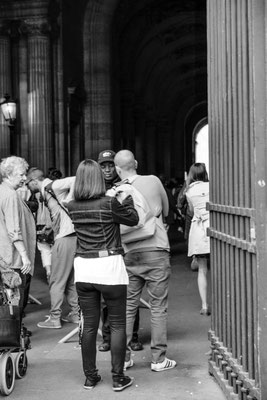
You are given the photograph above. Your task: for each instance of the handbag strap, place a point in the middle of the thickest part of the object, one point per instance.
(49, 190)
(132, 180)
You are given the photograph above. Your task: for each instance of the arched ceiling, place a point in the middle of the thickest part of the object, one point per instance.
(147, 62)
(162, 56)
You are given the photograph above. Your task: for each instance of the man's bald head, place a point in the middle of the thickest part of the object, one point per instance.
(125, 163)
(125, 160)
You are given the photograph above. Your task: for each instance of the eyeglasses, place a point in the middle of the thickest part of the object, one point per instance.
(31, 180)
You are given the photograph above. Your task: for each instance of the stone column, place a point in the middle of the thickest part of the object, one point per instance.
(162, 147)
(150, 144)
(40, 115)
(140, 135)
(127, 119)
(5, 87)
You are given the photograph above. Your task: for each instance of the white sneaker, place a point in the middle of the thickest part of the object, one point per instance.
(163, 366)
(51, 323)
(128, 364)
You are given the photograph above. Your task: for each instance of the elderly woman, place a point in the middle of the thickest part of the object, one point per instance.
(17, 225)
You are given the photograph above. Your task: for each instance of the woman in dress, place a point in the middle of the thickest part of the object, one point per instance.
(99, 267)
(197, 194)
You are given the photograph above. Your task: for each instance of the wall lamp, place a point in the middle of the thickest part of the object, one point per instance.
(9, 109)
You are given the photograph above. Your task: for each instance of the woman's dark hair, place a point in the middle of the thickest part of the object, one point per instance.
(54, 173)
(196, 173)
(89, 182)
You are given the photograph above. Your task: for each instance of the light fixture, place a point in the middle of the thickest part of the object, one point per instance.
(9, 109)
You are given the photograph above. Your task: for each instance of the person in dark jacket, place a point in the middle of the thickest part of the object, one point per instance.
(99, 267)
(106, 162)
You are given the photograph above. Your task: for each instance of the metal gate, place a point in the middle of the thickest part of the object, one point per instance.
(237, 126)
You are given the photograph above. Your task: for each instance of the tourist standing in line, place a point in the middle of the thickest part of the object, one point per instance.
(99, 268)
(106, 162)
(17, 225)
(61, 282)
(148, 264)
(44, 231)
(197, 195)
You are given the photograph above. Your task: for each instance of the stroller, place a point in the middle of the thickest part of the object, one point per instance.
(14, 337)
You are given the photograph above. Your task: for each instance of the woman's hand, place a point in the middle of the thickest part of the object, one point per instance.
(48, 272)
(124, 196)
(26, 267)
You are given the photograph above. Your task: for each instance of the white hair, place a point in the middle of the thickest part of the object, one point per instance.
(10, 164)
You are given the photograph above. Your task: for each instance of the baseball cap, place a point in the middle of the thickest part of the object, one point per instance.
(106, 155)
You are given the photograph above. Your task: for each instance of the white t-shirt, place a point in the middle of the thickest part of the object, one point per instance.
(103, 270)
(63, 189)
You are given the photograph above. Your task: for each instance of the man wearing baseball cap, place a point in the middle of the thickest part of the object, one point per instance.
(106, 162)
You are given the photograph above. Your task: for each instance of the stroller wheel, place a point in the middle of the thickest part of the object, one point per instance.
(21, 364)
(7, 373)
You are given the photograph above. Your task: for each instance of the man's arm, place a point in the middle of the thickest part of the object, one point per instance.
(63, 188)
(63, 185)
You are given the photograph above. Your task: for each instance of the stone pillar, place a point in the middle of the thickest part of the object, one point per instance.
(140, 135)
(127, 119)
(59, 128)
(162, 146)
(22, 122)
(40, 115)
(5, 87)
(150, 144)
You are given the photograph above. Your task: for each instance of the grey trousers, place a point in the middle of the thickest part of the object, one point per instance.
(151, 269)
(62, 276)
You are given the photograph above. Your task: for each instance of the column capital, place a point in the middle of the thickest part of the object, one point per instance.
(4, 28)
(11, 28)
(36, 26)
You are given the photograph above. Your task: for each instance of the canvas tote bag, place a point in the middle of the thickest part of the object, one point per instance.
(146, 226)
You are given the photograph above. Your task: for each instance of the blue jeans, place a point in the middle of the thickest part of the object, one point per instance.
(90, 303)
(150, 268)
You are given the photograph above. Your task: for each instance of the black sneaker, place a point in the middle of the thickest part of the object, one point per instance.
(136, 345)
(104, 346)
(91, 383)
(120, 384)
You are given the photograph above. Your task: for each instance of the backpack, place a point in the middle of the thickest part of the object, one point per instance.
(146, 226)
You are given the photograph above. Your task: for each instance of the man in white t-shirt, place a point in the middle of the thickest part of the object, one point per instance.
(61, 282)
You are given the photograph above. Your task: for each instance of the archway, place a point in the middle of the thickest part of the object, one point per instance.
(141, 89)
(201, 143)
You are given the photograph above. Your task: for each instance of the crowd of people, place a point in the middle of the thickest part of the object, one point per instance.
(75, 224)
